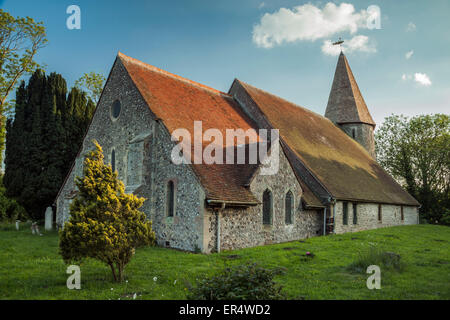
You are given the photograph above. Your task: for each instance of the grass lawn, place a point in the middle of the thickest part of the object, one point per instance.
(31, 268)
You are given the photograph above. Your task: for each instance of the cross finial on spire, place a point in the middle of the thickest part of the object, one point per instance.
(339, 42)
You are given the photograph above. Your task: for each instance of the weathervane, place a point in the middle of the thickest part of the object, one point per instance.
(339, 43)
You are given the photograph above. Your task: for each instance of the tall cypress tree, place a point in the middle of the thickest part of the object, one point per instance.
(43, 139)
(15, 131)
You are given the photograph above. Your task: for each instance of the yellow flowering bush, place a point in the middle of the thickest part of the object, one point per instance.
(105, 223)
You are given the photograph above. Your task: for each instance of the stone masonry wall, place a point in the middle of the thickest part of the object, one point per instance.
(142, 151)
(363, 135)
(112, 134)
(243, 227)
(184, 230)
(367, 216)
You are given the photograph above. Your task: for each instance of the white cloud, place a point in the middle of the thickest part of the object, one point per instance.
(422, 79)
(409, 54)
(261, 5)
(307, 23)
(357, 43)
(410, 27)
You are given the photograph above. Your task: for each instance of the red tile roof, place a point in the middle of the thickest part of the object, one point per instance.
(178, 102)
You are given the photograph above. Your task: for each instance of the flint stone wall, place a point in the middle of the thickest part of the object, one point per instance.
(367, 216)
(142, 158)
(363, 135)
(243, 227)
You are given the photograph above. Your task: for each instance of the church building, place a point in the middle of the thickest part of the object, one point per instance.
(328, 180)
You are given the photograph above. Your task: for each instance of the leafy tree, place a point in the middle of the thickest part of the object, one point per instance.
(416, 152)
(43, 139)
(105, 223)
(93, 83)
(20, 40)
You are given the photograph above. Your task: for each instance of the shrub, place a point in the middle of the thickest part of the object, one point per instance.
(105, 223)
(243, 282)
(376, 256)
(10, 209)
(445, 220)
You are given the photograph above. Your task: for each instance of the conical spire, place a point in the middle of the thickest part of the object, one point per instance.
(346, 104)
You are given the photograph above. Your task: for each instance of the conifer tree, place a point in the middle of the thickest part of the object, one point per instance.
(105, 223)
(15, 135)
(43, 139)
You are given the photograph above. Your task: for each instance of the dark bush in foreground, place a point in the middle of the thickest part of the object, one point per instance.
(242, 282)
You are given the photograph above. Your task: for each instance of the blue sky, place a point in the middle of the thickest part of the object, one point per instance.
(212, 42)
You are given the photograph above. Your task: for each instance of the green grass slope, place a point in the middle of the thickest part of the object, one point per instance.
(31, 268)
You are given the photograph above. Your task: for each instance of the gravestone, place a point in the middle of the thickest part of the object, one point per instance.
(35, 229)
(48, 218)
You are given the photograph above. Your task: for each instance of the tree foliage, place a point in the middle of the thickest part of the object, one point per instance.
(105, 223)
(42, 139)
(10, 210)
(93, 83)
(416, 152)
(20, 40)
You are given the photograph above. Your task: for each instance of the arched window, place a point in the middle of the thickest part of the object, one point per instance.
(170, 199)
(267, 207)
(353, 133)
(113, 160)
(288, 204)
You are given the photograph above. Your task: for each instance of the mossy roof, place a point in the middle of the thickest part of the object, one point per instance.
(341, 164)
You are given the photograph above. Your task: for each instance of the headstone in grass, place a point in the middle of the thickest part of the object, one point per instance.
(35, 229)
(48, 218)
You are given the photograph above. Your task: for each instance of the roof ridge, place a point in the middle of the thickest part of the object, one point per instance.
(354, 89)
(172, 75)
(290, 102)
(357, 95)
